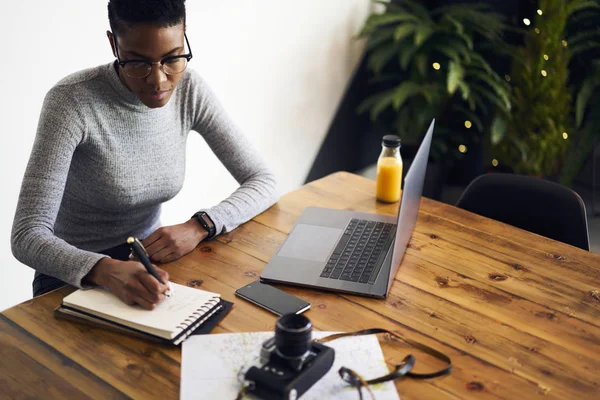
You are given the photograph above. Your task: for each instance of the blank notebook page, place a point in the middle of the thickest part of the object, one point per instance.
(167, 320)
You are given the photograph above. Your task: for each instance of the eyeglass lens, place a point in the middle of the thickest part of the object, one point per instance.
(142, 69)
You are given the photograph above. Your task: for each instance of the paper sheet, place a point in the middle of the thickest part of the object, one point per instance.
(210, 365)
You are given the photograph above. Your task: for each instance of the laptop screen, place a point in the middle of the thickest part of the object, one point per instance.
(411, 200)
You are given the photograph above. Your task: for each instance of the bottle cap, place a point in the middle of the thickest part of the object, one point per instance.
(391, 141)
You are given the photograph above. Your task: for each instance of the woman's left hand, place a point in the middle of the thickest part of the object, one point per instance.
(171, 242)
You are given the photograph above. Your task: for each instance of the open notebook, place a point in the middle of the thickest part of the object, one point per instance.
(173, 320)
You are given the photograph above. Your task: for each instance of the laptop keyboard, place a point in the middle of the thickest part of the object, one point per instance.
(360, 252)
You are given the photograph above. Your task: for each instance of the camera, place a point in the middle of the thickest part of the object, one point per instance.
(290, 361)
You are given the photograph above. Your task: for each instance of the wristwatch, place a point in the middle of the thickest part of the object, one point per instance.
(206, 223)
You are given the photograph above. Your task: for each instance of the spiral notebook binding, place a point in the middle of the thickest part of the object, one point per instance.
(214, 302)
(183, 325)
(201, 311)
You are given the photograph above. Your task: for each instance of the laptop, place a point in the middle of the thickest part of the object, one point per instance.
(347, 251)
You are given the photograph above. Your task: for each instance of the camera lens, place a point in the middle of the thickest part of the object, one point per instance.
(293, 334)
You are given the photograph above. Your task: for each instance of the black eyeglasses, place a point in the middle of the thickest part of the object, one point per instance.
(139, 69)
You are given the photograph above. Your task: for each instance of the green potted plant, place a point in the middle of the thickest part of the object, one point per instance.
(431, 63)
(587, 124)
(583, 42)
(545, 135)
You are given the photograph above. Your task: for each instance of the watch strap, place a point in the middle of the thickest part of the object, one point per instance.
(207, 223)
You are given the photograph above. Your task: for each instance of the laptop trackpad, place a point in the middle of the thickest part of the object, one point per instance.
(310, 242)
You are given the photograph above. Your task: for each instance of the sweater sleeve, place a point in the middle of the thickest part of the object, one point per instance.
(258, 189)
(60, 130)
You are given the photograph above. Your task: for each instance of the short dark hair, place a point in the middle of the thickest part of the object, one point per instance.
(159, 12)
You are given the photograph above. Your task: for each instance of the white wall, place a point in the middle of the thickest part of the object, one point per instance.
(279, 67)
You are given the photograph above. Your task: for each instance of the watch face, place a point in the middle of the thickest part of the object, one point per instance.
(206, 223)
(206, 220)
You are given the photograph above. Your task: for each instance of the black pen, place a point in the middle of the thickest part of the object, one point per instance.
(140, 252)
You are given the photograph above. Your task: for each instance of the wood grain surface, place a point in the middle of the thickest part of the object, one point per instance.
(519, 314)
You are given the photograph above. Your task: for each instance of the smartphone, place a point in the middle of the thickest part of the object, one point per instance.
(272, 299)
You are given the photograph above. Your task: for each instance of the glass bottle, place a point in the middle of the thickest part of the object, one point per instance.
(389, 170)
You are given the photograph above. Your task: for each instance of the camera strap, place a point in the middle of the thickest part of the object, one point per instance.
(401, 370)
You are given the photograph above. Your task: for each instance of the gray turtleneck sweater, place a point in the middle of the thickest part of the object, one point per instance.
(103, 163)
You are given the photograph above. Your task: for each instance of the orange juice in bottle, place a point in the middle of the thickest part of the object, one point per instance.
(389, 170)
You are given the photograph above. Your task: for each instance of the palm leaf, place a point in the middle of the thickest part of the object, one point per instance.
(465, 91)
(459, 9)
(381, 56)
(490, 95)
(422, 64)
(476, 17)
(406, 56)
(583, 96)
(577, 156)
(477, 61)
(582, 47)
(460, 28)
(580, 5)
(456, 74)
(449, 52)
(520, 145)
(404, 31)
(370, 101)
(431, 93)
(380, 36)
(582, 17)
(476, 102)
(467, 39)
(422, 34)
(496, 84)
(418, 9)
(583, 36)
(377, 21)
(498, 130)
(471, 99)
(456, 28)
(377, 103)
(403, 92)
(457, 44)
(402, 124)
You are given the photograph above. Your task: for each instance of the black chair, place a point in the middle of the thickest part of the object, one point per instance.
(529, 203)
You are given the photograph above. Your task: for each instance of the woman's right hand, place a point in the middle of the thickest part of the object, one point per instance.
(130, 282)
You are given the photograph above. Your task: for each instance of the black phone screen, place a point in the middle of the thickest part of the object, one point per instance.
(275, 300)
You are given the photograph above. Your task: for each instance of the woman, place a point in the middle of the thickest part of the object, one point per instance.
(110, 149)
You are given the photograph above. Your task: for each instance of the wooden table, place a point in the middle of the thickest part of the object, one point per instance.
(518, 314)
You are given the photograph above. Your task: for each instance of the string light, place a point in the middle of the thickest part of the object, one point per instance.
(537, 31)
(526, 21)
(565, 135)
(462, 148)
(495, 162)
(436, 66)
(546, 57)
(564, 43)
(540, 12)
(544, 73)
(468, 124)
(507, 77)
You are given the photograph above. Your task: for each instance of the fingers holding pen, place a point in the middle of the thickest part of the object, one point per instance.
(152, 285)
(145, 290)
(131, 281)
